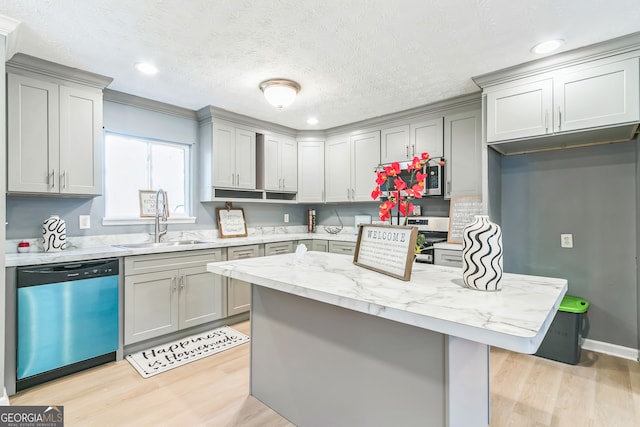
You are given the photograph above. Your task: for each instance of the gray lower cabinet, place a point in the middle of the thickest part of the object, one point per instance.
(315, 245)
(448, 257)
(239, 291)
(278, 248)
(346, 248)
(168, 292)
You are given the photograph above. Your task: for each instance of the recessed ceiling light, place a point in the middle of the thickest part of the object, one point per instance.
(146, 68)
(547, 46)
(312, 121)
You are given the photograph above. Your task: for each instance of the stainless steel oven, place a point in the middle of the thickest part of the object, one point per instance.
(431, 230)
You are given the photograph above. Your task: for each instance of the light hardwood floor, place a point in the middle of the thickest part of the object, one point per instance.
(525, 391)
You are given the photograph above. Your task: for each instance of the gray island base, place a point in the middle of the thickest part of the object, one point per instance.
(333, 344)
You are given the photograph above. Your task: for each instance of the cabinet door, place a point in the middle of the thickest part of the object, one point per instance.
(272, 162)
(463, 145)
(311, 171)
(80, 141)
(224, 157)
(427, 136)
(150, 305)
(365, 157)
(245, 159)
(278, 248)
(289, 164)
(33, 135)
(345, 248)
(200, 296)
(394, 144)
(448, 257)
(337, 176)
(597, 96)
(320, 245)
(238, 297)
(238, 291)
(520, 111)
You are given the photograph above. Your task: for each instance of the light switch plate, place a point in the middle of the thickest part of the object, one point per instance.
(286, 218)
(566, 240)
(84, 221)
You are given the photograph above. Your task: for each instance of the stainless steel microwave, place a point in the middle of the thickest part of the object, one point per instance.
(433, 183)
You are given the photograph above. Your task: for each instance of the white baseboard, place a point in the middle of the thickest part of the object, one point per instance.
(4, 399)
(611, 349)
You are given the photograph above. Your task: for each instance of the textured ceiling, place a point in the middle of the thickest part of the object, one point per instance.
(354, 59)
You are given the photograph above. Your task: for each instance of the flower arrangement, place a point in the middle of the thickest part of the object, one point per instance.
(397, 192)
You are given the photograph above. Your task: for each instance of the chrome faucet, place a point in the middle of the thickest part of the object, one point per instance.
(160, 215)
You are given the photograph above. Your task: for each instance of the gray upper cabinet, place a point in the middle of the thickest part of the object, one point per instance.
(277, 163)
(427, 136)
(394, 144)
(596, 94)
(463, 154)
(54, 129)
(311, 171)
(402, 143)
(349, 165)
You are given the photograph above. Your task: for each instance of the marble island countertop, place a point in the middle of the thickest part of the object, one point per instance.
(108, 247)
(515, 318)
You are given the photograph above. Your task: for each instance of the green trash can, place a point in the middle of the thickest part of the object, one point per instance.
(562, 342)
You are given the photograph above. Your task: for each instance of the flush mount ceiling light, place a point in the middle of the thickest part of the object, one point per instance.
(146, 68)
(280, 92)
(547, 46)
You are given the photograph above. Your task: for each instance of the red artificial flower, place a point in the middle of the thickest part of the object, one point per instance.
(416, 164)
(425, 156)
(417, 190)
(376, 193)
(393, 170)
(385, 210)
(406, 208)
(381, 177)
(400, 184)
(420, 177)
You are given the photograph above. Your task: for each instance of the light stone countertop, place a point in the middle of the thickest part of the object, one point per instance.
(109, 249)
(515, 318)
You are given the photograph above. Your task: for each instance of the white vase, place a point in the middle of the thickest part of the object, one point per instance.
(482, 255)
(54, 234)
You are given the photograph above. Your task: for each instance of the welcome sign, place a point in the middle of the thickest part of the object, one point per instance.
(387, 249)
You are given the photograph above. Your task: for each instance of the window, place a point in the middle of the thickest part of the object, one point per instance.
(133, 164)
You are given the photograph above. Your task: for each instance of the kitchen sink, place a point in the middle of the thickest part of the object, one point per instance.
(162, 244)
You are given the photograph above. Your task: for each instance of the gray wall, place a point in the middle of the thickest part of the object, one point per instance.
(591, 193)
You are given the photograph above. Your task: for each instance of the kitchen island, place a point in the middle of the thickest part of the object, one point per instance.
(336, 344)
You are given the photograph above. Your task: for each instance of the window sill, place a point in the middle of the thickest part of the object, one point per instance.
(141, 221)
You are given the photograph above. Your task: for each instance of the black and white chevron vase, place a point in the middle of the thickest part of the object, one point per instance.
(54, 234)
(482, 255)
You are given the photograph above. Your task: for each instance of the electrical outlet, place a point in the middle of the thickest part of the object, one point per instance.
(84, 221)
(286, 218)
(566, 240)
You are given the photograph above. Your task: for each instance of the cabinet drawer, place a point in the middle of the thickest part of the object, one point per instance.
(346, 248)
(241, 252)
(448, 257)
(278, 248)
(139, 264)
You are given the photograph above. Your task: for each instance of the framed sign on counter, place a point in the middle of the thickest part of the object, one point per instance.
(231, 222)
(461, 213)
(387, 249)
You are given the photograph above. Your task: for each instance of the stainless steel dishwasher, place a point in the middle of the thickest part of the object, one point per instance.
(67, 319)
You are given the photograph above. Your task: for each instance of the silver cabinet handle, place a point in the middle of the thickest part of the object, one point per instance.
(174, 286)
(63, 179)
(182, 279)
(413, 149)
(559, 119)
(406, 150)
(53, 178)
(348, 196)
(353, 194)
(546, 121)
